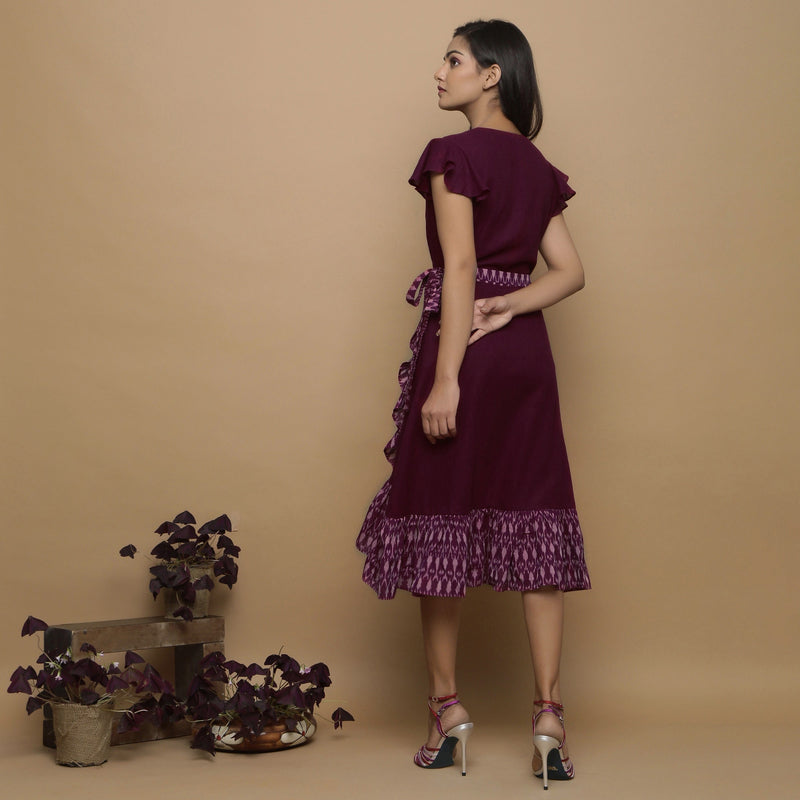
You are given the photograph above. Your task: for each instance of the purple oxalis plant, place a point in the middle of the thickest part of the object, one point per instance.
(187, 546)
(64, 677)
(256, 696)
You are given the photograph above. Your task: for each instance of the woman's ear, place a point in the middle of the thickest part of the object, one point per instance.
(491, 76)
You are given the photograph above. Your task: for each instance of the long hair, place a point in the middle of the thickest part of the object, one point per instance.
(496, 41)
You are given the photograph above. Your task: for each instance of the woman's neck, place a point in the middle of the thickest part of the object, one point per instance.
(489, 116)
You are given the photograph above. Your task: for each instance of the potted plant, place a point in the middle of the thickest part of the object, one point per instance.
(256, 707)
(189, 556)
(83, 693)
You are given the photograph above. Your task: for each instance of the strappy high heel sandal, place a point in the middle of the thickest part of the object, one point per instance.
(554, 765)
(442, 756)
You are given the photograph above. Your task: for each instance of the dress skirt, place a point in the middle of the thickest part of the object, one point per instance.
(493, 505)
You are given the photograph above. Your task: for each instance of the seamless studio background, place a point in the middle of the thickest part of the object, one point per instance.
(207, 236)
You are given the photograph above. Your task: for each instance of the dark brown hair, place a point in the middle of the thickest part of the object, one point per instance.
(496, 41)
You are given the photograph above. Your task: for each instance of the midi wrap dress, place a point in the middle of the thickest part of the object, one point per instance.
(493, 505)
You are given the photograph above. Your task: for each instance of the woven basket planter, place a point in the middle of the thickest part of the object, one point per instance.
(83, 734)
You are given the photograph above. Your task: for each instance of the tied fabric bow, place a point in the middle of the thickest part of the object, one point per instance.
(429, 284)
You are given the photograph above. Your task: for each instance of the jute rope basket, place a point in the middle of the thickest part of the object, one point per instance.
(83, 734)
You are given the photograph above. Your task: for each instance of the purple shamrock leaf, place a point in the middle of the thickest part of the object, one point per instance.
(290, 669)
(167, 527)
(184, 612)
(209, 708)
(291, 696)
(132, 658)
(33, 624)
(179, 576)
(254, 669)
(161, 572)
(91, 670)
(314, 696)
(170, 707)
(127, 551)
(88, 648)
(221, 523)
(128, 722)
(131, 676)
(48, 681)
(340, 716)
(206, 551)
(164, 550)
(34, 704)
(153, 682)
(185, 518)
(206, 582)
(251, 722)
(19, 680)
(116, 684)
(318, 674)
(184, 534)
(235, 667)
(187, 594)
(227, 571)
(214, 659)
(218, 525)
(204, 740)
(89, 697)
(186, 550)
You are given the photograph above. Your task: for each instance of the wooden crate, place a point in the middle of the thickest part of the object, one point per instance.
(190, 641)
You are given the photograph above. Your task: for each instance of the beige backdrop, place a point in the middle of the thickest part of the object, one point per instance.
(207, 237)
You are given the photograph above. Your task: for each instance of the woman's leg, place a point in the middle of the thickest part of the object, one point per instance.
(544, 619)
(441, 617)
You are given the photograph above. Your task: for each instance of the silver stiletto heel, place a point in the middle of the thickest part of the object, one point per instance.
(554, 764)
(442, 756)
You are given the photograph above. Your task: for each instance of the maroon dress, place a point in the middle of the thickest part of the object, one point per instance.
(493, 505)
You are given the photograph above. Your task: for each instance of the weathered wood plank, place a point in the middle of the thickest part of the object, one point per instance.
(144, 633)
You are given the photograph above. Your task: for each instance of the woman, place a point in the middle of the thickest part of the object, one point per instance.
(480, 491)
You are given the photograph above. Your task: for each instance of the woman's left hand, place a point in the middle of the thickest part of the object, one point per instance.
(490, 314)
(439, 410)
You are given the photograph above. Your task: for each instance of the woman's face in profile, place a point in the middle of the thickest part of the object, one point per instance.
(459, 80)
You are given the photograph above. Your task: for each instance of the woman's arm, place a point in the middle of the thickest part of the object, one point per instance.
(456, 236)
(564, 277)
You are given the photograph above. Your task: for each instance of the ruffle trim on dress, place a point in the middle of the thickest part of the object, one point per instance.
(443, 555)
(444, 156)
(427, 284)
(564, 191)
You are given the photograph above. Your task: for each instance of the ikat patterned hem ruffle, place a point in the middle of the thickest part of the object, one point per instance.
(443, 555)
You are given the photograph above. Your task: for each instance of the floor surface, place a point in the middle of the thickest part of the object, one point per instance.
(368, 761)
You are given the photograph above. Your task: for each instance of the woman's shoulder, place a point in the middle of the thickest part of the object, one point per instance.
(454, 157)
(491, 142)
(451, 141)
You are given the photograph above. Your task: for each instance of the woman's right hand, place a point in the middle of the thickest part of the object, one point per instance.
(439, 410)
(489, 314)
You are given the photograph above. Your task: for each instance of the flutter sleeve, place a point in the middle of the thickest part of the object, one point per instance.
(562, 192)
(443, 156)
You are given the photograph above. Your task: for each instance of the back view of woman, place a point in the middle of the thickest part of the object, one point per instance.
(480, 491)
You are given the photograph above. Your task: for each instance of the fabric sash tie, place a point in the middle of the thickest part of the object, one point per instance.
(428, 284)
